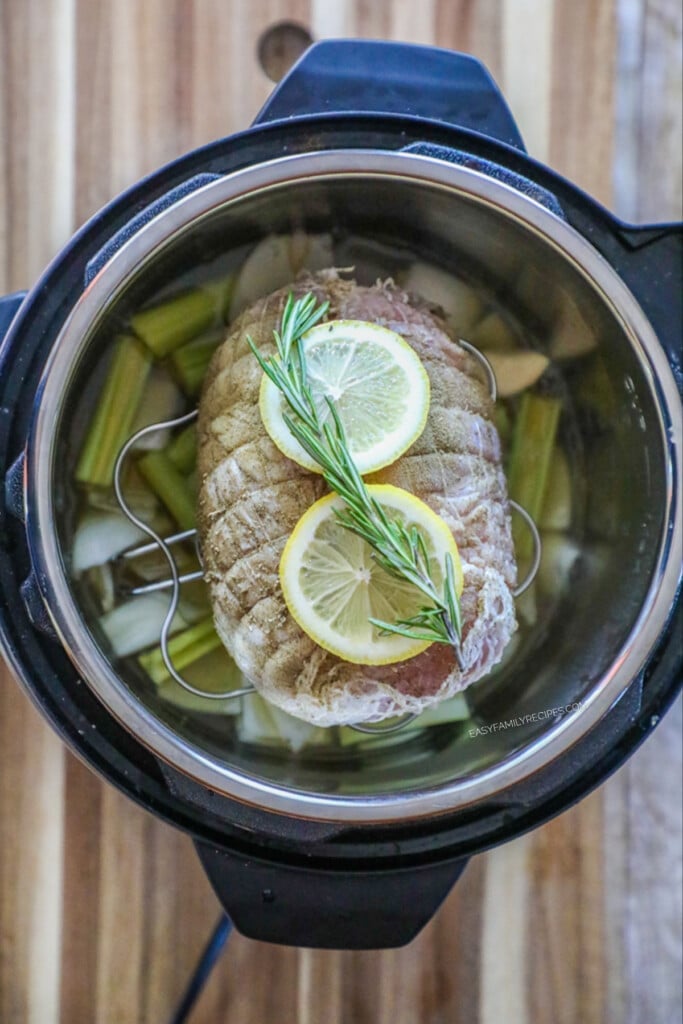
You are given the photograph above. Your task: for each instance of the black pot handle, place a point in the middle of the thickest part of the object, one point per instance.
(14, 489)
(368, 76)
(650, 261)
(14, 478)
(9, 306)
(306, 906)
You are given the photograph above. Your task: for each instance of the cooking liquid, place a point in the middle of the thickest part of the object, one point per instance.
(221, 726)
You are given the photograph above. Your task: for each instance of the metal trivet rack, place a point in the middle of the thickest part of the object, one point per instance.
(176, 579)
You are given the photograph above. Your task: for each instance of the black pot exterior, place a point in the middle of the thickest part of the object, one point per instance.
(230, 833)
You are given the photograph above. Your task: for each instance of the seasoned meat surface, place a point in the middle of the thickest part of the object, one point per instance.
(251, 497)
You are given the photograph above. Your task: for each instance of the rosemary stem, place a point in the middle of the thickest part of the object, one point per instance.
(399, 551)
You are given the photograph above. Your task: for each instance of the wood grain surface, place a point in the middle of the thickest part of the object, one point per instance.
(103, 910)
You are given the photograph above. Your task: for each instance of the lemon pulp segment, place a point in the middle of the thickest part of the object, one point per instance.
(377, 383)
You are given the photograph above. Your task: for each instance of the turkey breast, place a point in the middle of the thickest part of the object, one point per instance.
(251, 497)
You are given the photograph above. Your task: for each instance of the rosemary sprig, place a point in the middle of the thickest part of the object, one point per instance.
(402, 552)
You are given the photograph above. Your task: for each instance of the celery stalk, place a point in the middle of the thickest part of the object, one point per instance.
(112, 423)
(348, 737)
(595, 389)
(190, 363)
(454, 709)
(222, 290)
(166, 327)
(170, 485)
(556, 513)
(215, 672)
(182, 451)
(533, 441)
(501, 418)
(184, 649)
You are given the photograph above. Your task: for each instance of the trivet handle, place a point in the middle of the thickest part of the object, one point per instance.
(327, 909)
(377, 77)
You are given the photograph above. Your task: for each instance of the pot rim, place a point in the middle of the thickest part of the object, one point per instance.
(50, 571)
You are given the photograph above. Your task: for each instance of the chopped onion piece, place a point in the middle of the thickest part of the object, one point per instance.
(136, 624)
(274, 262)
(256, 724)
(161, 400)
(101, 536)
(296, 733)
(261, 722)
(312, 252)
(559, 556)
(459, 300)
(516, 371)
(494, 334)
(570, 335)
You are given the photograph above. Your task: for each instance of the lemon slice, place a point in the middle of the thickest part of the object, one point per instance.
(333, 585)
(378, 384)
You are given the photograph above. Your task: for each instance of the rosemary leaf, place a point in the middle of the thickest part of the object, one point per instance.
(411, 634)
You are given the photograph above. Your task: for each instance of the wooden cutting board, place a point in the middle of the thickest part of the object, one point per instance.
(103, 910)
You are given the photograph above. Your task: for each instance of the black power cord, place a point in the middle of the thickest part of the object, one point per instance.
(205, 964)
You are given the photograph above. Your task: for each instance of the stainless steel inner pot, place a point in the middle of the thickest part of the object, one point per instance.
(626, 472)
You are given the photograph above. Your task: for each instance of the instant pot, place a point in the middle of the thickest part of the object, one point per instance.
(413, 147)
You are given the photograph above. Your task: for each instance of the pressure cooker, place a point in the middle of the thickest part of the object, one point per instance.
(412, 148)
